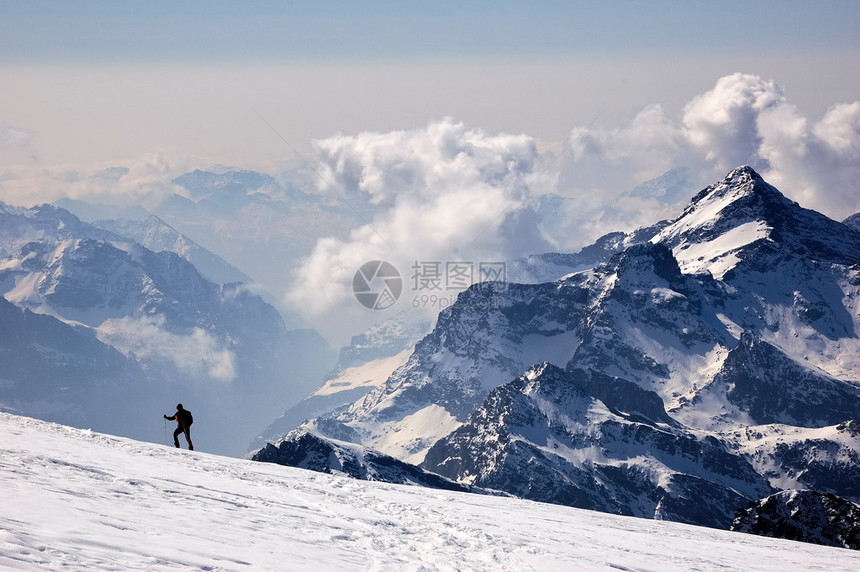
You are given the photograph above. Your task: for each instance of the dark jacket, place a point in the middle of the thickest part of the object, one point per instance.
(183, 417)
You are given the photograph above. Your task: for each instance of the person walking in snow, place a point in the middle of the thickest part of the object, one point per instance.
(183, 420)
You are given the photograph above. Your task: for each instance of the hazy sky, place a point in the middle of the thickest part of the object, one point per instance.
(108, 81)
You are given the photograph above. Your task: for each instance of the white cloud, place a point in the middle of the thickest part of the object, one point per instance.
(816, 164)
(197, 354)
(743, 120)
(722, 125)
(649, 146)
(143, 181)
(443, 193)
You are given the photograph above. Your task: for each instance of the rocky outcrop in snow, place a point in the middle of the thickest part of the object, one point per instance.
(585, 439)
(308, 451)
(808, 516)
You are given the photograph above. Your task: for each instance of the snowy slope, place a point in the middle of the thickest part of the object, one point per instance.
(340, 390)
(824, 459)
(77, 500)
(584, 439)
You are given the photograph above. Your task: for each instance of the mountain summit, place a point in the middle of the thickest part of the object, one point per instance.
(743, 215)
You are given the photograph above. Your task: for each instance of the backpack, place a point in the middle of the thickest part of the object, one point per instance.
(187, 418)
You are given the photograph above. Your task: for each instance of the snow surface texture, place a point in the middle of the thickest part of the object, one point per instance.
(74, 499)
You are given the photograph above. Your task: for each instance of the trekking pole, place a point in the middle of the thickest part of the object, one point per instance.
(165, 429)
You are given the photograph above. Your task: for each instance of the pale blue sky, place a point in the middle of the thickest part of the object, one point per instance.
(159, 31)
(109, 81)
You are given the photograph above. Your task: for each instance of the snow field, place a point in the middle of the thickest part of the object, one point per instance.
(74, 500)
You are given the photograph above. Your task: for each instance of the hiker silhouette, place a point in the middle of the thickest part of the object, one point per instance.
(183, 420)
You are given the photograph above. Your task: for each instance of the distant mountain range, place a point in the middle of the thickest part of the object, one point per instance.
(158, 236)
(258, 225)
(100, 331)
(683, 372)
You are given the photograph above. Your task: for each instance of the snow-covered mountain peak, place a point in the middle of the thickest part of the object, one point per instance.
(740, 180)
(21, 225)
(156, 235)
(719, 221)
(536, 371)
(743, 215)
(740, 184)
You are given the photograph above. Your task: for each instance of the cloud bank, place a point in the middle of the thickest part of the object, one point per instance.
(440, 193)
(197, 354)
(744, 119)
(143, 181)
(447, 192)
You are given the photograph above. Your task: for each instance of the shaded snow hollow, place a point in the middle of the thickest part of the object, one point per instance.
(74, 499)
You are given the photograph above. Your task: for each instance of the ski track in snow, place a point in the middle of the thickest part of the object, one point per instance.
(73, 499)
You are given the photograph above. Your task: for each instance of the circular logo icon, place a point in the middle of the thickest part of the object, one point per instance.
(377, 285)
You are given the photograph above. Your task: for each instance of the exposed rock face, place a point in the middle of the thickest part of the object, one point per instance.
(307, 451)
(807, 516)
(585, 439)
